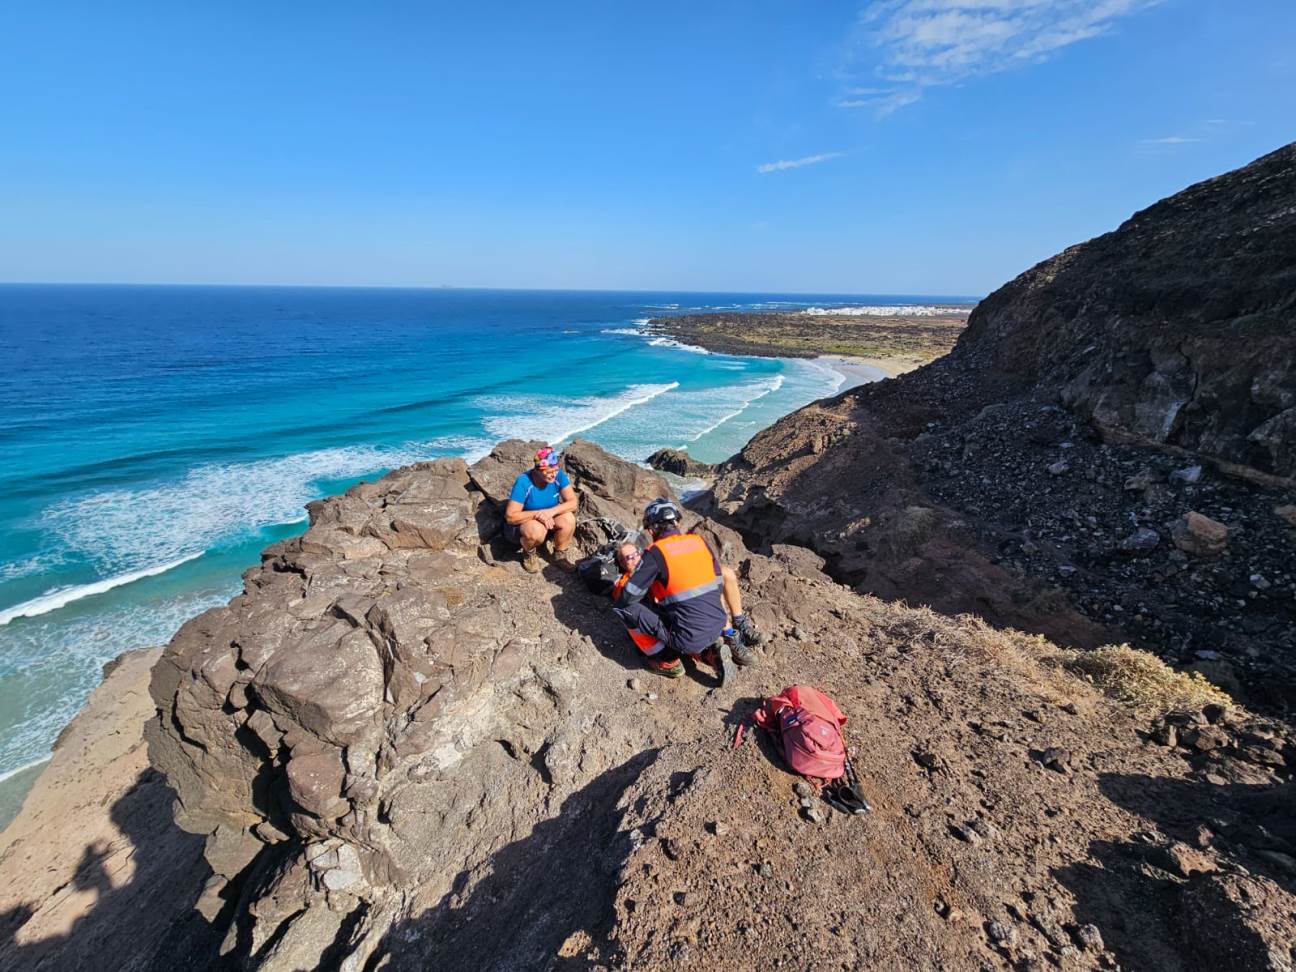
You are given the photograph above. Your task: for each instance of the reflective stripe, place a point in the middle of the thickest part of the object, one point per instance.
(653, 648)
(691, 593)
(634, 590)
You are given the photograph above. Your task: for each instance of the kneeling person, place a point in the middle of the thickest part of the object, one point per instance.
(628, 556)
(681, 578)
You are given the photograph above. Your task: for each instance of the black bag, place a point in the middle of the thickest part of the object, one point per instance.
(599, 571)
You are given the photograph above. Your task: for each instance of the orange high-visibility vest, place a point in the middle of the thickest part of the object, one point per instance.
(646, 643)
(690, 569)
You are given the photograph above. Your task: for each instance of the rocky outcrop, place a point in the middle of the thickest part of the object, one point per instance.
(336, 728)
(421, 757)
(680, 463)
(1179, 327)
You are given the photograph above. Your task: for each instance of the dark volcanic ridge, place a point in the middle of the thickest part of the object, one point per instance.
(1046, 472)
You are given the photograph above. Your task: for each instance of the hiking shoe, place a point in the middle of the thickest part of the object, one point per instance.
(746, 627)
(531, 562)
(565, 559)
(720, 658)
(742, 653)
(667, 669)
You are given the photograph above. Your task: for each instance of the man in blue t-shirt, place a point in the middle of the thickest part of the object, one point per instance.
(542, 505)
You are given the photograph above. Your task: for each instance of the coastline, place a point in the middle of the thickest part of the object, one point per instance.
(889, 345)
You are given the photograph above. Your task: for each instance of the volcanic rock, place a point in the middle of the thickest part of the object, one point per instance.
(680, 463)
(1199, 535)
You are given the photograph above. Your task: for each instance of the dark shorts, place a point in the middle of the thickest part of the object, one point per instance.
(513, 533)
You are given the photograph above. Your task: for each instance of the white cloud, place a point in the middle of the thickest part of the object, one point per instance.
(919, 44)
(884, 101)
(1169, 140)
(782, 164)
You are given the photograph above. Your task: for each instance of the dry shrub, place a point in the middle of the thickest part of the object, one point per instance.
(1144, 681)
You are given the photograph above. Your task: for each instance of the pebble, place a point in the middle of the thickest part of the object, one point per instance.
(815, 812)
(1057, 759)
(719, 828)
(1141, 540)
(634, 685)
(767, 870)
(1090, 938)
(1000, 933)
(1059, 467)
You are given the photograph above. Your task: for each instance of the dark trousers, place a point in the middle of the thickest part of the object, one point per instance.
(641, 617)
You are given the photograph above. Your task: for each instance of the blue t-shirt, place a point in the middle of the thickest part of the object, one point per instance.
(533, 497)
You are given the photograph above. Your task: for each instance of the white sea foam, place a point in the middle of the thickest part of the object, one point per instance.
(22, 769)
(38, 564)
(666, 342)
(837, 378)
(53, 600)
(57, 661)
(886, 310)
(737, 398)
(123, 531)
(631, 331)
(556, 419)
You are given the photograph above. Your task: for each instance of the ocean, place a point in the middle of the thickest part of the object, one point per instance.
(157, 438)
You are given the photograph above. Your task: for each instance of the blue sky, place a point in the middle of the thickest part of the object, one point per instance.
(906, 146)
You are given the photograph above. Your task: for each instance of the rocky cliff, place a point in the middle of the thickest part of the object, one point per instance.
(1178, 327)
(1051, 473)
(403, 752)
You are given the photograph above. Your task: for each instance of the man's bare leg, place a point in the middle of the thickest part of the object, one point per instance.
(564, 530)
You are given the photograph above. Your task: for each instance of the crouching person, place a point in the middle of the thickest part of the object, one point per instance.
(542, 506)
(671, 599)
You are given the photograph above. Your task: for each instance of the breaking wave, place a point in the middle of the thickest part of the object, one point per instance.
(54, 600)
(556, 419)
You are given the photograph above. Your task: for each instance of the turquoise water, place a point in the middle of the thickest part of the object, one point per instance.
(157, 438)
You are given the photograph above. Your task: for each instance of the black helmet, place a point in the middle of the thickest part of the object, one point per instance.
(660, 512)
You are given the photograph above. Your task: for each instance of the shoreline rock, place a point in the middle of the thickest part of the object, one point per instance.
(680, 463)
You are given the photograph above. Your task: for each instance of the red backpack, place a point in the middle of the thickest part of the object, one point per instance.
(808, 724)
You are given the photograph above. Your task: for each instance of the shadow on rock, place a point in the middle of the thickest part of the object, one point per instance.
(1213, 889)
(546, 901)
(591, 615)
(147, 922)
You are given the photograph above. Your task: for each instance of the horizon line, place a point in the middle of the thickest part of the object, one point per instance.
(952, 298)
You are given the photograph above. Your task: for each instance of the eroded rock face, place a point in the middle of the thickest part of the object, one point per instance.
(342, 701)
(1178, 327)
(679, 462)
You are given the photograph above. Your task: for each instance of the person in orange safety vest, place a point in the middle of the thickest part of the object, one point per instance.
(687, 589)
